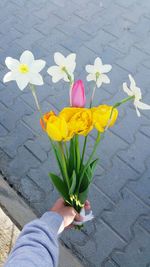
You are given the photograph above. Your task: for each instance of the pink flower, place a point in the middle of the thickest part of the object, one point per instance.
(77, 97)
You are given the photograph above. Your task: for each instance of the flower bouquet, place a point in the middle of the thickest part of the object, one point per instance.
(65, 129)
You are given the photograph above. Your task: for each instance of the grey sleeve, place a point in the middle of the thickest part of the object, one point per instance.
(37, 245)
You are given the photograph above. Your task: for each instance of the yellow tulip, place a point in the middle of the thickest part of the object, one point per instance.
(79, 120)
(101, 117)
(57, 128)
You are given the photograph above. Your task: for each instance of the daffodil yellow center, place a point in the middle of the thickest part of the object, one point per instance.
(23, 68)
(97, 74)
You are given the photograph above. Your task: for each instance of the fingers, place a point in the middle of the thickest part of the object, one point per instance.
(87, 205)
(78, 217)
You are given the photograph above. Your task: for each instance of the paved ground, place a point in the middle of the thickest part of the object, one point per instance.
(8, 234)
(119, 32)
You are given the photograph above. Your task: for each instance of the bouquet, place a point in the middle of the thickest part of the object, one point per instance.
(76, 121)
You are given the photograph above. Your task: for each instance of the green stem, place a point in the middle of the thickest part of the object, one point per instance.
(63, 163)
(77, 150)
(85, 140)
(90, 158)
(66, 149)
(117, 105)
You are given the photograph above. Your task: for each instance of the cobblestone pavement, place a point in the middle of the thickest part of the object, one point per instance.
(119, 32)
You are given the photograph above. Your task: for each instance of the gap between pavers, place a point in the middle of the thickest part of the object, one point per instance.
(20, 213)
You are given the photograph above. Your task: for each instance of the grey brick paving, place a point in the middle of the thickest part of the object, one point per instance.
(119, 32)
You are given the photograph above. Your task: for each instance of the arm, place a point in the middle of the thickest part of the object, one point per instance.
(37, 245)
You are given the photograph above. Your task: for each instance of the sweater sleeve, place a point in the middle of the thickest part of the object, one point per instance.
(37, 245)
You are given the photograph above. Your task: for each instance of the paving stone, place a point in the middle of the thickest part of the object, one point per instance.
(39, 147)
(125, 43)
(144, 221)
(130, 126)
(136, 254)
(3, 131)
(90, 11)
(141, 186)
(132, 61)
(132, 156)
(124, 214)
(108, 149)
(102, 39)
(30, 190)
(9, 94)
(22, 163)
(119, 26)
(114, 179)
(92, 249)
(10, 118)
(117, 31)
(41, 175)
(48, 25)
(16, 138)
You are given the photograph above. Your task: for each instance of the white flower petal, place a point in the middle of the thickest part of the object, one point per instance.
(8, 77)
(37, 65)
(27, 58)
(22, 82)
(137, 92)
(99, 82)
(132, 82)
(98, 62)
(11, 63)
(36, 79)
(59, 58)
(91, 77)
(105, 78)
(142, 105)
(127, 90)
(106, 68)
(137, 111)
(56, 74)
(70, 63)
(53, 70)
(90, 68)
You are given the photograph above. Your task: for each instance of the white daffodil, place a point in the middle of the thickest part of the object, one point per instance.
(64, 69)
(24, 71)
(136, 92)
(97, 72)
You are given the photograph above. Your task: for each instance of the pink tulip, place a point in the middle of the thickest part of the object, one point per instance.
(77, 96)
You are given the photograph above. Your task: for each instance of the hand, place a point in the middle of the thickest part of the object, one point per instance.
(68, 213)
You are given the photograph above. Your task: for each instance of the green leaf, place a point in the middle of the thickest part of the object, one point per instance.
(83, 196)
(60, 185)
(73, 184)
(85, 183)
(93, 166)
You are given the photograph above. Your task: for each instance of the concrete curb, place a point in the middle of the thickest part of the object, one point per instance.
(19, 212)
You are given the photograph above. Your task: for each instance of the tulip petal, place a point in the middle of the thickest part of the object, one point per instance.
(27, 58)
